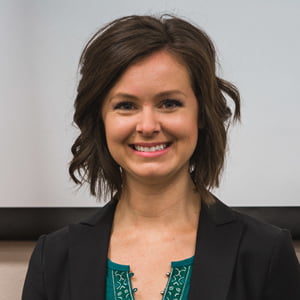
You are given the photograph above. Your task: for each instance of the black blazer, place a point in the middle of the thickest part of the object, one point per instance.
(236, 258)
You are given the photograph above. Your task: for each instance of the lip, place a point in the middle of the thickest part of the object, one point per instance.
(150, 153)
(150, 144)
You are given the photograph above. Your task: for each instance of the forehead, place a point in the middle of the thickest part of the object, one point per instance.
(158, 72)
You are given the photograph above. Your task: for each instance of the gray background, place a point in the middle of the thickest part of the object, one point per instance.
(41, 41)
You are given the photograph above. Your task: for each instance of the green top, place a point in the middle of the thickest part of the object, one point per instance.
(118, 282)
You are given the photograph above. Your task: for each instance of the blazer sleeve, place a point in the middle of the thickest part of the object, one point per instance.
(283, 280)
(34, 288)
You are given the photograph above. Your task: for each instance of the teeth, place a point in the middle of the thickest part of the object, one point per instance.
(150, 149)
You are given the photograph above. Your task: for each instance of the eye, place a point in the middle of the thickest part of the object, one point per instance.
(124, 105)
(170, 104)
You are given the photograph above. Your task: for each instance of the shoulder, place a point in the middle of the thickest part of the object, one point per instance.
(258, 229)
(261, 239)
(262, 242)
(258, 239)
(253, 228)
(269, 256)
(57, 243)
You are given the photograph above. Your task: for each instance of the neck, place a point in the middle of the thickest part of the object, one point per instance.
(159, 203)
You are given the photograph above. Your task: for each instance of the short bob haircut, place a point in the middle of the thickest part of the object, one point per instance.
(107, 55)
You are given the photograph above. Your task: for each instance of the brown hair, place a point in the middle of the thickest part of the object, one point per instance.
(105, 58)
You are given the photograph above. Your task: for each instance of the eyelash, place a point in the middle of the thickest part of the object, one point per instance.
(122, 105)
(165, 104)
(173, 102)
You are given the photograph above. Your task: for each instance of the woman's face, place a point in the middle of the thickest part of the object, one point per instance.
(151, 119)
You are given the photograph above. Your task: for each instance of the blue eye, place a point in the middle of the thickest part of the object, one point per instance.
(125, 105)
(171, 104)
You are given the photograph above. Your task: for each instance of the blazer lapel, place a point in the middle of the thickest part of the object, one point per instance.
(88, 247)
(218, 238)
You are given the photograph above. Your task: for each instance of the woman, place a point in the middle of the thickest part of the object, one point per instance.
(153, 122)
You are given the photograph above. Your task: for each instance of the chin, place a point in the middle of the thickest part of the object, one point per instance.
(155, 176)
(152, 175)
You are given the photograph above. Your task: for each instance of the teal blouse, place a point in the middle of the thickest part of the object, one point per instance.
(118, 281)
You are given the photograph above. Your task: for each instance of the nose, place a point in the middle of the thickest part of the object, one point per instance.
(148, 123)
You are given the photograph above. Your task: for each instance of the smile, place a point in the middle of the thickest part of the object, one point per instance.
(152, 148)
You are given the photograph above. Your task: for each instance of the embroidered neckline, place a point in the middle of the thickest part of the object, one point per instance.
(119, 281)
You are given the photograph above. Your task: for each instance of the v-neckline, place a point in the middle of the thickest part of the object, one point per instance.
(119, 280)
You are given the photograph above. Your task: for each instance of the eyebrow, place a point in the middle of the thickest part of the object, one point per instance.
(159, 95)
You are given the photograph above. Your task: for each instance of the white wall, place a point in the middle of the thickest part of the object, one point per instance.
(41, 41)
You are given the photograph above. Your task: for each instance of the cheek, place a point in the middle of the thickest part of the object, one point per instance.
(192, 133)
(117, 130)
(185, 126)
